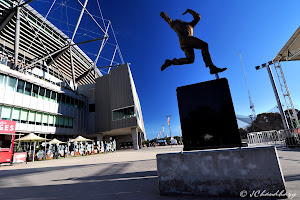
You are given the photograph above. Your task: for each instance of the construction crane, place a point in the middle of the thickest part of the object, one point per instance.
(253, 117)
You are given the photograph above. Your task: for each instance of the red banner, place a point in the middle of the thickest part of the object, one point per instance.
(7, 126)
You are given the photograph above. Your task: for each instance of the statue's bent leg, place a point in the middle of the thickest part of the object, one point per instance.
(200, 44)
(190, 57)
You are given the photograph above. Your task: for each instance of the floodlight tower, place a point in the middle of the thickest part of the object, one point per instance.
(283, 117)
(250, 99)
(290, 109)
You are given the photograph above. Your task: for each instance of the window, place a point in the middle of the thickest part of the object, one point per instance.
(72, 101)
(53, 96)
(42, 92)
(56, 118)
(66, 122)
(91, 107)
(31, 117)
(63, 99)
(48, 94)
(45, 120)
(76, 103)
(28, 88)
(16, 114)
(51, 120)
(35, 91)
(80, 104)
(58, 99)
(70, 123)
(2, 81)
(5, 141)
(20, 86)
(38, 118)
(68, 100)
(61, 121)
(11, 83)
(24, 116)
(6, 113)
(123, 113)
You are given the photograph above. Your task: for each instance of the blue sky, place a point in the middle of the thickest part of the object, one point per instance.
(257, 29)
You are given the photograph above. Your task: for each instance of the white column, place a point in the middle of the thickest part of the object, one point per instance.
(134, 134)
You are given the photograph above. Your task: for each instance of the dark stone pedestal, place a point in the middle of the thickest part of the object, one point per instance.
(207, 116)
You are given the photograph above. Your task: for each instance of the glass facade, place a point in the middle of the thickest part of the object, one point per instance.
(32, 117)
(123, 113)
(13, 84)
(27, 116)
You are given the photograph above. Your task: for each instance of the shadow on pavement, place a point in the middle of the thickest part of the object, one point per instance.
(19, 172)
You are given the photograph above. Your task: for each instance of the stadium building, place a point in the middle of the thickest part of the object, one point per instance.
(50, 87)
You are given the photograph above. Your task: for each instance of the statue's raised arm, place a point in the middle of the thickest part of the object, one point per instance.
(166, 18)
(196, 17)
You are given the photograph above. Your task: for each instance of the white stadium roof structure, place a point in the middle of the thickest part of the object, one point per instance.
(291, 50)
(39, 38)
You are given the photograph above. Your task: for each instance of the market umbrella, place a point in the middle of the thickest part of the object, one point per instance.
(31, 137)
(56, 141)
(80, 139)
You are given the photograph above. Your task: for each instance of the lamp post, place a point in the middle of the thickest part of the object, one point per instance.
(168, 116)
(163, 127)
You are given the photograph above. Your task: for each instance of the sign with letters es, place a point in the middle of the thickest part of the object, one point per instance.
(7, 126)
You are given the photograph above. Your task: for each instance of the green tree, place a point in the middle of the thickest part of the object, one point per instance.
(266, 122)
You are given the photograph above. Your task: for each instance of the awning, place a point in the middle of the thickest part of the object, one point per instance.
(291, 50)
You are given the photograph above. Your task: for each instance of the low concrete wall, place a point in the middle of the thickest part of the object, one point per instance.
(220, 173)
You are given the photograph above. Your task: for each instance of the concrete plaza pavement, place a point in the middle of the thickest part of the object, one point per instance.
(125, 174)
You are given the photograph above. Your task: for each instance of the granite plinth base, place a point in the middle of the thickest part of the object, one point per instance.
(221, 172)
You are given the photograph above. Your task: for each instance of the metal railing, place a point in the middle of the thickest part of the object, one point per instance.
(289, 138)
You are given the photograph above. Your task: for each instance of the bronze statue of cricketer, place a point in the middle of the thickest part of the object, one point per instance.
(188, 42)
